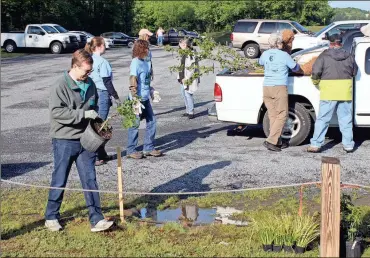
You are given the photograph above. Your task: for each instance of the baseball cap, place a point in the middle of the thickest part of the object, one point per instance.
(143, 32)
(335, 38)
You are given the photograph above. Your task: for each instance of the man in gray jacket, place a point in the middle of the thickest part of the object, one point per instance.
(73, 101)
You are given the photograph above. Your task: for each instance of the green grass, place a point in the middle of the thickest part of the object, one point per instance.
(11, 55)
(314, 28)
(22, 226)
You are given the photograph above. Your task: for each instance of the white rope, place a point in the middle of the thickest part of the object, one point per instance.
(148, 193)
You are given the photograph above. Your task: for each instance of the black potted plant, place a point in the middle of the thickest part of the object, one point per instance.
(308, 229)
(352, 218)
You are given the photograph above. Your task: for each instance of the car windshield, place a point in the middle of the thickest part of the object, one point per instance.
(60, 29)
(299, 27)
(49, 29)
(322, 30)
(88, 34)
(123, 35)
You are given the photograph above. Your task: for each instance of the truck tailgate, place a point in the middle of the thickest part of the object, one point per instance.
(241, 98)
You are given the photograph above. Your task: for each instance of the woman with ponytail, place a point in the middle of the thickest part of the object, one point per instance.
(102, 77)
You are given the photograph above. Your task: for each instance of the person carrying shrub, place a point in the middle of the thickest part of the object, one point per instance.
(73, 101)
(102, 77)
(140, 73)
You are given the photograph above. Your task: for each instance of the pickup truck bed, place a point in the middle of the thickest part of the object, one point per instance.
(239, 98)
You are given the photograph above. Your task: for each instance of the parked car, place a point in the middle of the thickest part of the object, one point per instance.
(320, 37)
(238, 98)
(173, 36)
(38, 36)
(81, 38)
(119, 38)
(251, 35)
(89, 36)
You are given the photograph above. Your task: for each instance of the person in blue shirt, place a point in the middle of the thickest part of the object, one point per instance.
(102, 77)
(140, 78)
(275, 92)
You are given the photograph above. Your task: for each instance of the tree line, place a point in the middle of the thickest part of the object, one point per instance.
(97, 16)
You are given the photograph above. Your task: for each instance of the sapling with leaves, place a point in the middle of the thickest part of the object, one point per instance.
(209, 50)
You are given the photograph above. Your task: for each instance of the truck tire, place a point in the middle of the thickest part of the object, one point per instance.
(10, 46)
(251, 50)
(130, 44)
(297, 127)
(56, 48)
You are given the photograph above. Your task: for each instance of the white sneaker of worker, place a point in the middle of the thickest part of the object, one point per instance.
(102, 225)
(53, 225)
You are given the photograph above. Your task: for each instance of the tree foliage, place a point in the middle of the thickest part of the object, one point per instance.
(97, 16)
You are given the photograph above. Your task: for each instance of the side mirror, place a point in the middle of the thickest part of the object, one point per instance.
(295, 31)
(41, 33)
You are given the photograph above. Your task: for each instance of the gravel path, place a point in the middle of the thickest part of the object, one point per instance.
(198, 153)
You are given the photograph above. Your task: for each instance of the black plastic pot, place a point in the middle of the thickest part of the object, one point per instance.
(267, 248)
(353, 249)
(288, 248)
(277, 248)
(299, 250)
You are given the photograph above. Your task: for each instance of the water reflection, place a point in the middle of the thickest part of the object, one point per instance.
(192, 214)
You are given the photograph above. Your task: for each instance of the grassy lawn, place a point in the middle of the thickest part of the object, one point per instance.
(23, 233)
(314, 28)
(11, 55)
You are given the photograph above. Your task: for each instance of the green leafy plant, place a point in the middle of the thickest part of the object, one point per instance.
(210, 52)
(126, 110)
(265, 229)
(354, 219)
(289, 233)
(308, 229)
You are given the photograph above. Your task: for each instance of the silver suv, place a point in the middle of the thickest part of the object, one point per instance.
(252, 35)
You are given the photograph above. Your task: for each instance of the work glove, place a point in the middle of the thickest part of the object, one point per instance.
(117, 102)
(91, 114)
(133, 90)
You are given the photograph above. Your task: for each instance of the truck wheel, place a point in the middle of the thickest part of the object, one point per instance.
(297, 127)
(130, 44)
(56, 48)
(10, 47)
(251, 50)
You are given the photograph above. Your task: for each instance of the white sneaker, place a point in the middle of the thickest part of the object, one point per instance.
(53, 225)
(102, 225)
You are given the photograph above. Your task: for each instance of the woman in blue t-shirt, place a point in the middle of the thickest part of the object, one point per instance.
(275, 89)
(140, 77)
(102, 77)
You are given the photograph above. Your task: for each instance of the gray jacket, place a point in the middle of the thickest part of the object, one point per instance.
(67, 106)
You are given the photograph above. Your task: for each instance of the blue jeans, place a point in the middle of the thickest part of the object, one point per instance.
(188, 99)
(65, 153)
(133, 132)
(160, 40)
(104, 104)
(326, 111)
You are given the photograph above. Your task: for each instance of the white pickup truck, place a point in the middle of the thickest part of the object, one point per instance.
(238, 98)
(307, 41)
(38, 36)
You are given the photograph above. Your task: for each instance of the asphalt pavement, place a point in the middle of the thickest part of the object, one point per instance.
(198, 156)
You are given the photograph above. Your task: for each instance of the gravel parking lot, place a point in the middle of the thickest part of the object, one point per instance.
(198, 153)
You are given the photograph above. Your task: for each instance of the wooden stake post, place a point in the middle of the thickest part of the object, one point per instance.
(330, 207)
(120, 185)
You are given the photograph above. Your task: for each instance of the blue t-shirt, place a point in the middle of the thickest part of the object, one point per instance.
(277, 64)
(141, 69)
(101, 69)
